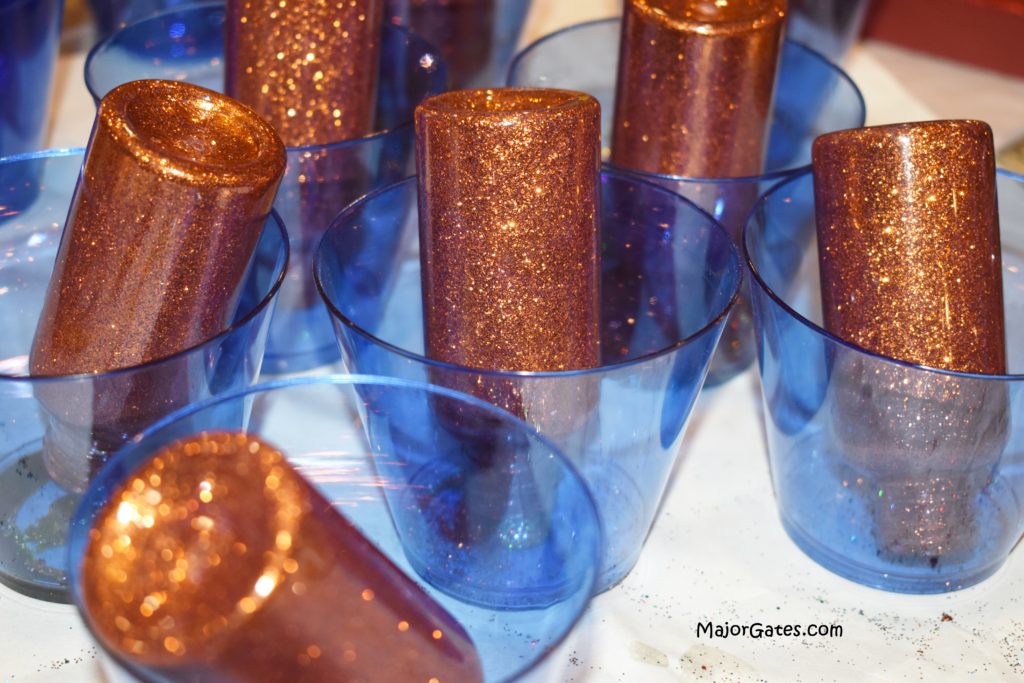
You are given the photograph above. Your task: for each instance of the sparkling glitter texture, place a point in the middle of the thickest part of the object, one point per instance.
(217, 561)
(695, 85)
(309, 67)
(176, 185)
(508, 191)
(908, 241)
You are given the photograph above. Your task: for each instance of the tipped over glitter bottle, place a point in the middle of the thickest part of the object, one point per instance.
(910, 262)
(175, 188)
(217, 561)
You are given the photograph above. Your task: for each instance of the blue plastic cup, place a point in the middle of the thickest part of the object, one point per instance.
(812, 97)
(319, 180)
(477, 38)
(365, 443)
(828, 26)
(93, 414)
(111, 15)
(29, 38)
(894, 475)
(664, 305)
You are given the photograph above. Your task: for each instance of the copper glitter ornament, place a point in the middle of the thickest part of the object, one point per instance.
(508, 218)
(309, 67)
(694, 99)
(695, 86)
(910, 262)
(176, 185)
(908, 239)
(508, 193)
(217, 561)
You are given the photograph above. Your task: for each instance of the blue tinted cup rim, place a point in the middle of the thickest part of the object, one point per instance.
(91, 499)
(733, 269)
(663, 177)
(200, 7)
(261, 306)
(749, 230)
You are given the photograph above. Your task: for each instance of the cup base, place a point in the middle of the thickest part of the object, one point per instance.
(623, 514)
(34, 519)
(532, 573)
(892, 581)
(274, 367)
(312, 345)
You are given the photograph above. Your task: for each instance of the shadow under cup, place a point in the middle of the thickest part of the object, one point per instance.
(88, 416)
(373, 448)
(320, 180)
(891, 474)
(812, 97)
(669, 276)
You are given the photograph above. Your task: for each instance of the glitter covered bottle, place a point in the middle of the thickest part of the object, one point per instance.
(910, 262)
(217, 561)
(693, 99)
(695, 86)
(176, 185)
(508, 228)
(508, 222)
(310, 69)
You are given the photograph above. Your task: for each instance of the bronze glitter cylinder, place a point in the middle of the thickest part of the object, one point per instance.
(508, 207)
(508, 220)
(217, 561)
(694, 97)
(908, 240)
(695, 86)
(910, 262)
(308, 67)
(177, 183)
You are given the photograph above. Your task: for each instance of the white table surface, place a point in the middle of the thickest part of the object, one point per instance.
(717, 551)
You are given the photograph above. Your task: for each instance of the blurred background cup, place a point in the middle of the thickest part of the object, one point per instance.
(111, 15)
(477, 38)
(663, 308)
(891, 474)
(188, 44)
(102, 410)
(812, 96)
(364, 443)
(828, 26)
(29, 38)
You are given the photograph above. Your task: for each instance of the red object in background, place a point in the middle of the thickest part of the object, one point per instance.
(987, 33)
